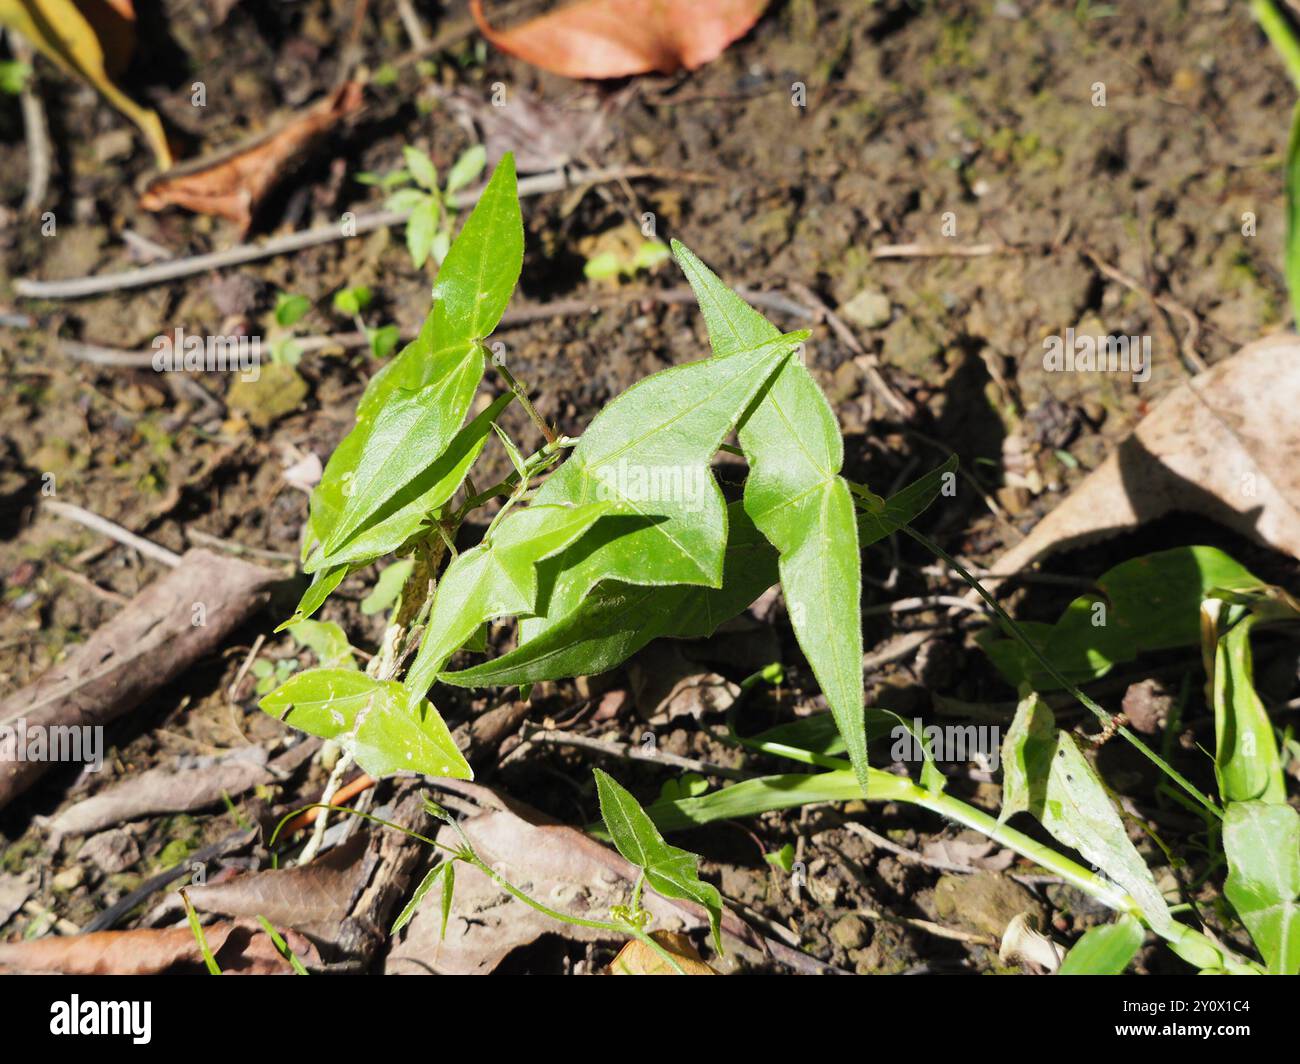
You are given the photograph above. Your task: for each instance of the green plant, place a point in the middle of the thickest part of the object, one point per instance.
(352, 303)
(415, 189)
(630, 538)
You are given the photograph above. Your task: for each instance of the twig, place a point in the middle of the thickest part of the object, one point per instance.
(83, 581)
(923, 602)
(99, 355)
(411, 23)
(157, 273)
(1164, 303)
(929, 927)
(35, 126)
(869, 363)
(113, 531)
(941, 251)
(238, 549)
(332, 786)
(913, 856)
(631, 753)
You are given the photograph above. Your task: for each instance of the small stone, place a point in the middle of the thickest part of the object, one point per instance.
(277, 392)
(110, 851)
(849, 932)
(869, 309)
(985, 902)
(68, 880)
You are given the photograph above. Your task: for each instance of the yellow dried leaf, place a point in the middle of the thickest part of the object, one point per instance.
(63, 34)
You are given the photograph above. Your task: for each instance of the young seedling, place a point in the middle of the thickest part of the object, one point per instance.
(630, 539)
(432, 210)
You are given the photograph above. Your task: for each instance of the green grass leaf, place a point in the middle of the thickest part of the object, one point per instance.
(1105, 950)
(671, 871)
(1246, 761)
(376, 721)
(431, 877)
(797, 498)
(1262, 844)
(1045, 773)
(497, 578)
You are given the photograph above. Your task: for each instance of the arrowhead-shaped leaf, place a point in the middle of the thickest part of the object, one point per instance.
(384, 729)
(616, 619)
(495, 579)
(413, 408)
(649, 451)
(797, 498)
(671, 871)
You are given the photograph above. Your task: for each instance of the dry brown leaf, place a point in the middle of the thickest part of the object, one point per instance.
(1224, 445)
(241, 948)
(543, 135)
(142, 648)
(636, 958)
(314, 898)
(558, 865)
(615, 38)
(233, 184)
(188, 783)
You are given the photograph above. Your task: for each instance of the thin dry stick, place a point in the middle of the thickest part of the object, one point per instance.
(943, 251)
(324, 234)
(929, 927)
(869, 363)
(113, 531)
(880, 842)
(99, 355)
(532, 733)
(36, 128)
(1163, 303)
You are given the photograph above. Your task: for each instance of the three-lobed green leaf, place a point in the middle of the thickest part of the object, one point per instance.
(796, 497)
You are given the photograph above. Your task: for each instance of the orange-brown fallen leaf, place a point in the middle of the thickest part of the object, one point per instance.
(636, 958)
(616, 38)
(241, 947)
(233, 185)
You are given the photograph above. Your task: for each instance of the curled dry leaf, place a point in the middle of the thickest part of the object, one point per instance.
(616, 38)
(92, 40)
(233, 184)
(636, 958)
(241, 948)
(1225, 445)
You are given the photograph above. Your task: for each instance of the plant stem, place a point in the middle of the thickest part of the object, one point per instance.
(1042, 659)
(547, 432)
